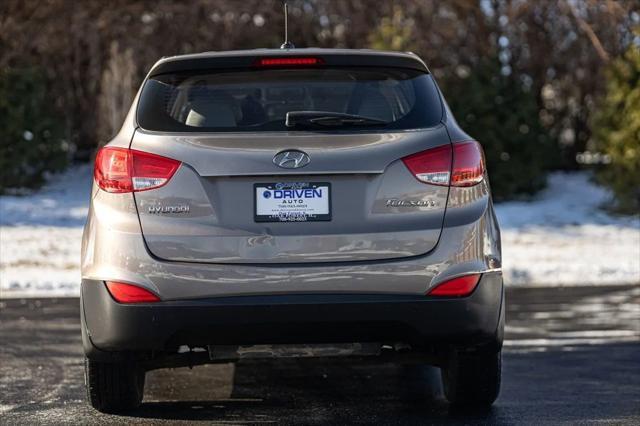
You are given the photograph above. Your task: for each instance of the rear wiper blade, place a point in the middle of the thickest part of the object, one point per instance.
(329, 119)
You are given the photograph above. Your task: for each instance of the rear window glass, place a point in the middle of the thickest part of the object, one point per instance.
(258, 100)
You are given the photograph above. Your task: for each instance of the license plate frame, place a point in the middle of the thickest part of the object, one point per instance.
(292, 215)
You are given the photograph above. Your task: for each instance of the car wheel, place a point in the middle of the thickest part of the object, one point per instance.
(472, 379)
(115, 386)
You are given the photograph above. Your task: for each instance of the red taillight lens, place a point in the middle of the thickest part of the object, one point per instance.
(468, 164)
(459, 164)
(128, 293)
(432, 166)
(288, 62)
(151, 171)
(126, 170)
(457, 287)
(112, 170)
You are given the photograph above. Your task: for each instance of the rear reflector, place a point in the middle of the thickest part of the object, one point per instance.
(128, 293)
(457, 287)
(287, 62)
(121, 170)
(458, 164)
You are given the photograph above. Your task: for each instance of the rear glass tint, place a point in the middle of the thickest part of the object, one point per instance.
(258, 100)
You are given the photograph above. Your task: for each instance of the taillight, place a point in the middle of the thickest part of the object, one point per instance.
(126, 170)
(458, 164)
(112, 170)
(457, 287)
(432, 166)
(288, 62)
(468, 164)
(128, 293)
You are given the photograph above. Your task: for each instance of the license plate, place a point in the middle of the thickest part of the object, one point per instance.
(292, 202)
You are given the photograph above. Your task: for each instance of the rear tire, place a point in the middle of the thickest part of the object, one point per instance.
(472, 379)
(115, 386)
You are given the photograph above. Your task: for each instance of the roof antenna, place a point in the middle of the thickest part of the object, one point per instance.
(287, 44)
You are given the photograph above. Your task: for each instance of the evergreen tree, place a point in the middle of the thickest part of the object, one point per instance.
(502, 114)
(616, 128)
(31, 141)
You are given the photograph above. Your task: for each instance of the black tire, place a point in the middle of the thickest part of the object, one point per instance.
(472, 379)
(113, 387)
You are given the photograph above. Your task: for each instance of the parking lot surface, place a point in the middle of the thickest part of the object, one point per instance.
(572, 355)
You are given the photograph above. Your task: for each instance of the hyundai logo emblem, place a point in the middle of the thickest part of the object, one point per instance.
(291, 159)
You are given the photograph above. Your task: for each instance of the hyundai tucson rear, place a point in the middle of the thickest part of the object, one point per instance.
(291, 202)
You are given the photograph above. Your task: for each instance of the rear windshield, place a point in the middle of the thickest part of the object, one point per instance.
(259, 100)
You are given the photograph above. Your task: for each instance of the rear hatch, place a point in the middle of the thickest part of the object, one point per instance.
(326, 183)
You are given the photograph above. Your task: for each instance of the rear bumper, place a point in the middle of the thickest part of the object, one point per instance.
(108, 326)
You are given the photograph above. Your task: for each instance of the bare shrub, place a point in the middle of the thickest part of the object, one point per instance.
(117, 89)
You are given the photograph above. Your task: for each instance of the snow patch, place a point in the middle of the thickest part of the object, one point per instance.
(563, 237)
(40, 236)
(64, 202)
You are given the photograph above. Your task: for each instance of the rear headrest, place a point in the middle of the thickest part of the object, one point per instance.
(375, 105)
(211, 113)
(210, 108)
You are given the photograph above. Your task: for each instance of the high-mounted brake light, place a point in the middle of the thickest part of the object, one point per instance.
(457, 287)
(288, 62)
(458, 164)
(121, 170)
(129, 293)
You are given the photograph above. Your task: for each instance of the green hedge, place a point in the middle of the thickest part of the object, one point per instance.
(616, 127)
(500, 113)
(31, 136)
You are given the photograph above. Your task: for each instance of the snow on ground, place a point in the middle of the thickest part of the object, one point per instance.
(559, 238)
(40, 237)
(564, 238)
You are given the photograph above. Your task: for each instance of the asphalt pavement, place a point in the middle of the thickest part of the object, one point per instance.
(572, 355)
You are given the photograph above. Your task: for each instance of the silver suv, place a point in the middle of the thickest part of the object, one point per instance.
(292, 202)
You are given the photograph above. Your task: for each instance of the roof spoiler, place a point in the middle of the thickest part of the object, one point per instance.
(247, 59)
